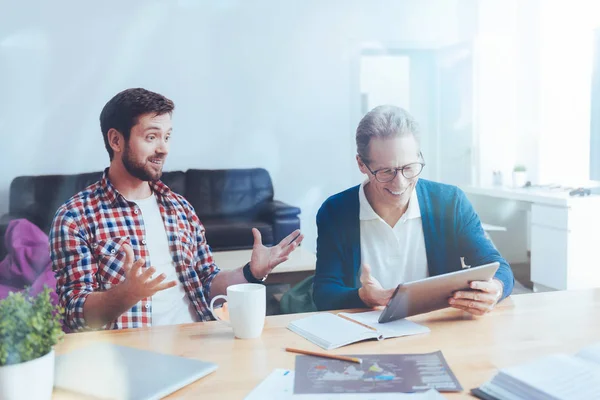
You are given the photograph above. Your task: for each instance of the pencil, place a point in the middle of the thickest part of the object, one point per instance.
(356, 322)
(324, 355)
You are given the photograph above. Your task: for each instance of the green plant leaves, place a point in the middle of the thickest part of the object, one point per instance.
(29, 326)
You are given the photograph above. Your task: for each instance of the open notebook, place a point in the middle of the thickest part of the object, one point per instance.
(331, 331)
(558, 376)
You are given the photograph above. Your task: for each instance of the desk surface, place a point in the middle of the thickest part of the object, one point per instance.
(521, 328)
(532, 195)
(299, 260)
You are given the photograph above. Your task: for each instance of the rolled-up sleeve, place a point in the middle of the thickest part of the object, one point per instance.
(73, 266)
(205, 265)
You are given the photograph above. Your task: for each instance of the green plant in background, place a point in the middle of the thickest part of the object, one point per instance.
(520, 168)
(29, 327)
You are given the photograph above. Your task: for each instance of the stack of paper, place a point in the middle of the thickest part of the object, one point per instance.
(557, 376)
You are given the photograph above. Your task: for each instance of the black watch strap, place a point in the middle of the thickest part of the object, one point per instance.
(248, 275)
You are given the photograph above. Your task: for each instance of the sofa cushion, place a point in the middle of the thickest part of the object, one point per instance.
(230, 192)
(38, 197)
(175, 180)
(232, 234)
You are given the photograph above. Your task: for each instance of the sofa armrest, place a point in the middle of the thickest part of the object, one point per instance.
(4, 220)
(278, 210)
(284, 218)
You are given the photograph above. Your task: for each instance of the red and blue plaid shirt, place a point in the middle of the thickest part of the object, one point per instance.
(85, 246)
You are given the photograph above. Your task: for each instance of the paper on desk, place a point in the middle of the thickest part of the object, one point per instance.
(558, 376)
(591, 353)
(279, 385)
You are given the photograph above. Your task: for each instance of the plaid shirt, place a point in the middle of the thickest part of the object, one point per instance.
(85, 246)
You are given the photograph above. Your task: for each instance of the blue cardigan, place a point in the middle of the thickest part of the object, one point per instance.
(450, 226)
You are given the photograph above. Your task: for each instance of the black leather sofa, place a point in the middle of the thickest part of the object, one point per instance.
(229, 203)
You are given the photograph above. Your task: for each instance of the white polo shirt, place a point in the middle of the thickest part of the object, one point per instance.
(396, 255)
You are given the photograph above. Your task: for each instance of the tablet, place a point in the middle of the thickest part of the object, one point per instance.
(432, 293)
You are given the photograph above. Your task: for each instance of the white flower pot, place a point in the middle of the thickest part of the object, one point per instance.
(29, 380)
(519, 178)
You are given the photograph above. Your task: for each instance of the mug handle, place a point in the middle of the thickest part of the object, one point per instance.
(212, 311)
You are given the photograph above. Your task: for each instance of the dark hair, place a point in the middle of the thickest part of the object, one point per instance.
(384, 122)
(123, 110)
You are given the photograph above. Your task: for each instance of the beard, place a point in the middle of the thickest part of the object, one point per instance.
(141, 170)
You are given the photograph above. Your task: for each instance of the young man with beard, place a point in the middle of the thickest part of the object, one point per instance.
(127, 251)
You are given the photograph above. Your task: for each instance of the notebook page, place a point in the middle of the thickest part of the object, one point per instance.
(401, 327)
(330, 331)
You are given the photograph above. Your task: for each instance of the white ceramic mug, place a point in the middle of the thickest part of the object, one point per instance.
(247, 305)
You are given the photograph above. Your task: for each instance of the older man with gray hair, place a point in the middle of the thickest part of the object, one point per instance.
(396, 228)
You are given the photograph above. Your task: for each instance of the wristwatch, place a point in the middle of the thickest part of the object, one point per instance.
(251, 278)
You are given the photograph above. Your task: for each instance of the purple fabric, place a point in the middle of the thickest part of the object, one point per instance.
(28, 260)
(5, 290)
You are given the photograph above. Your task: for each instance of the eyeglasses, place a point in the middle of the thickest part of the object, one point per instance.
(409, 171)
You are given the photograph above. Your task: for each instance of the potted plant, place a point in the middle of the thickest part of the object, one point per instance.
(29, 328)
(519, 176)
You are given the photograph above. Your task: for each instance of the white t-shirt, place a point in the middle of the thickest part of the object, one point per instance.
(395, 255)
(170, 306)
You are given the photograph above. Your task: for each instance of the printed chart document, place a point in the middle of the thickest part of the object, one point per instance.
(331, 331)
(558, 376)
(378, 373)
(279, 385)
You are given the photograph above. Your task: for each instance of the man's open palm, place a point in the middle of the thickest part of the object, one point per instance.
(140, 284)
(264, 259)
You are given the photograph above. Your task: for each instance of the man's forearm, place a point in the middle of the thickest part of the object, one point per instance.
(100, 308)
(223, 279)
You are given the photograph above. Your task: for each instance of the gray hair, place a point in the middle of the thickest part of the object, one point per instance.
(384, 122)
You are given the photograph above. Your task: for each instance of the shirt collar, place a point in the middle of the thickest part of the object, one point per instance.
(113, 196)
(413, 210)
(367, 213)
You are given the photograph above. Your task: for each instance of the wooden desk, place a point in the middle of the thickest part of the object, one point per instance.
(521, 328)
(300, 264)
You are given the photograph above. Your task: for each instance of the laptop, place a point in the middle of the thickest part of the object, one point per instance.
(109, 371)
(432, 293)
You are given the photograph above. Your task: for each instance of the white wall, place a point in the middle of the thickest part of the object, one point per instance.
(495, 88)
(533, 88)
(255, 83)
(566, 60)
(385, 79)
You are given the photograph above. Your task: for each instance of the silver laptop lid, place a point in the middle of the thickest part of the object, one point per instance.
(111, 371)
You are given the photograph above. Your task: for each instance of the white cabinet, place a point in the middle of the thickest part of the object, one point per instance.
(564, 234)
(549, 256)
(564, 245)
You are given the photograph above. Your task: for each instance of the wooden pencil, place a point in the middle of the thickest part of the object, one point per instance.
(324, 355)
